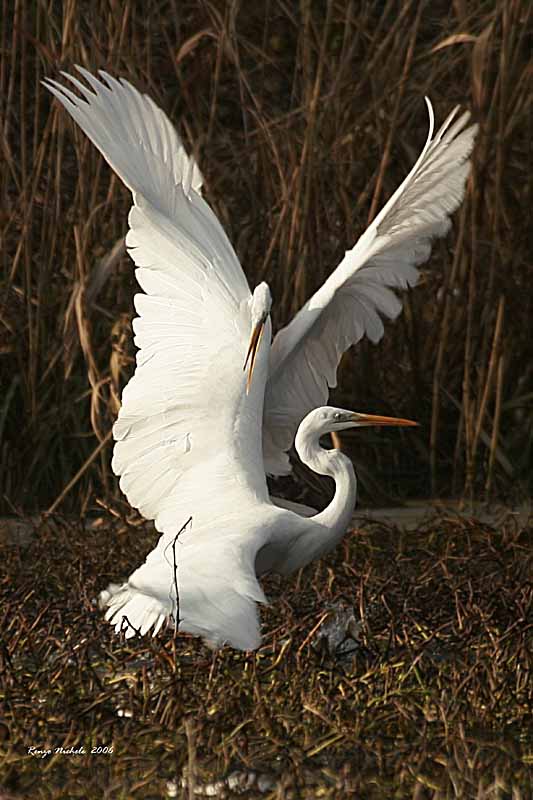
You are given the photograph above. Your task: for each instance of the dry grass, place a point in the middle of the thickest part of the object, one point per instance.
(305, 118)
(435, 703)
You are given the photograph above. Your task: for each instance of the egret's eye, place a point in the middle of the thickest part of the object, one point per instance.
(336, 416)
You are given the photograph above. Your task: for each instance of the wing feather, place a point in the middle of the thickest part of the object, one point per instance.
(357, 295)
(188, 436)
(186, 426)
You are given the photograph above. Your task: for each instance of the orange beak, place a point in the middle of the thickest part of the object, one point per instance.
(251, 355)
(373, 419)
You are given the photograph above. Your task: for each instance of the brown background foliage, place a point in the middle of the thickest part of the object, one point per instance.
(305, 117)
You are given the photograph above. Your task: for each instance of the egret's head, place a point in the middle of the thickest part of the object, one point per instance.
(260, 305)
(329, 419)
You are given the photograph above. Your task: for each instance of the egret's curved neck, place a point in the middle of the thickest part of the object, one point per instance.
(337, 515)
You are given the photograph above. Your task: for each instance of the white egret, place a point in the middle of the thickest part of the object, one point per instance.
(190, 429)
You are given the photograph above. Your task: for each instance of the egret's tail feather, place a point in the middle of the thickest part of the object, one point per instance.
(131, 611)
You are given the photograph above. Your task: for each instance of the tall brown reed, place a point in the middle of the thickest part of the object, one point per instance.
(305, 118)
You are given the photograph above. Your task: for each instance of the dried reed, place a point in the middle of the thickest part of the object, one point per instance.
(305, 118)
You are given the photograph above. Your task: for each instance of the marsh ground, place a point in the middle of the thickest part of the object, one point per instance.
(433, 702)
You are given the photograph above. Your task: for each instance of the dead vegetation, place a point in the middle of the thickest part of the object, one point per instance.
(305, 118)
(433, 702)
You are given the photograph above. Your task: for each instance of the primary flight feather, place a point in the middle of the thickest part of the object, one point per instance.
(211, 397)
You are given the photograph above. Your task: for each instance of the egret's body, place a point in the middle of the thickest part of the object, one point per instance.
(196, 432)
(215, 562)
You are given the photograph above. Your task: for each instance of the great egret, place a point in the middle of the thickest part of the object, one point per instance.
(188, 435)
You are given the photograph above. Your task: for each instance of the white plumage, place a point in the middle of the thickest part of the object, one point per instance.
(189, 433)
(350, 304)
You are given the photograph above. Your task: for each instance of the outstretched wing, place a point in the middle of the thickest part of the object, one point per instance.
(305, 354)
(187, 435)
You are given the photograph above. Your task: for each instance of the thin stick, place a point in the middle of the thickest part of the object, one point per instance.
(79, 473)
(444, 333)
(392, 127)
(175, 573)
(495, 424)
(191, 757)
(175, 565)
(493, 362)
(311, 633)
